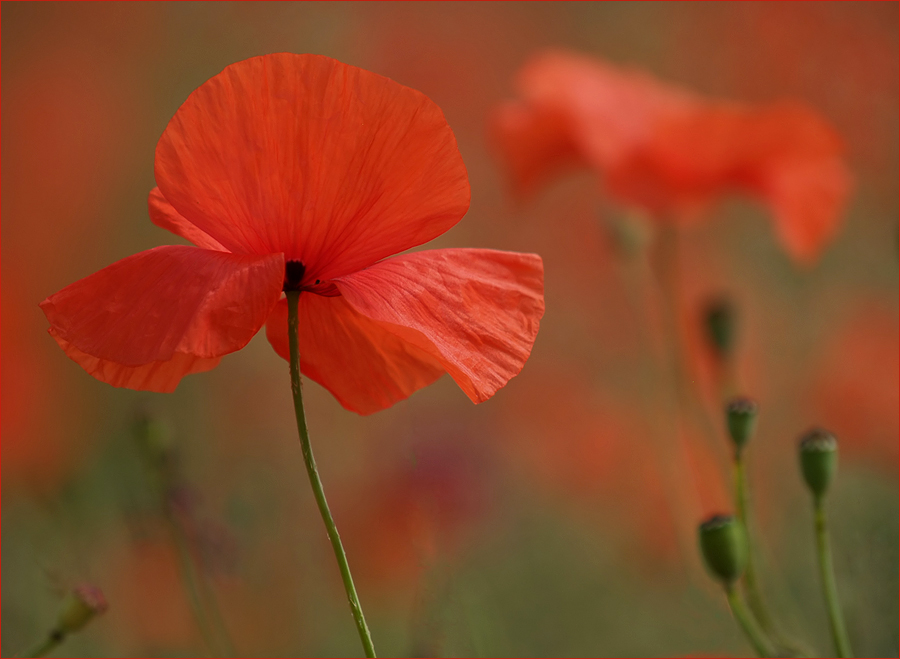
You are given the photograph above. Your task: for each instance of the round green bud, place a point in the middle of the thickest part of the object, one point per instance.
(724, 547)
(720, 321)
(630, 233)
(82, 604)
(154, 437)
(741, 414)
(818, 459)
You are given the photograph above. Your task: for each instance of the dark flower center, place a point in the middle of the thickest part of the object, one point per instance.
(293, 275)
(295, 271)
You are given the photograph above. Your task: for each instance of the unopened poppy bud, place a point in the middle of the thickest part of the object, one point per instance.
(154, 437)
(818, 459)
(82, 604)
(724, 547)
(720, 321)
(630, 233)
(741, 415)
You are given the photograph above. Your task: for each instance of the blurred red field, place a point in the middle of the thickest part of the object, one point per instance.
(558, 517)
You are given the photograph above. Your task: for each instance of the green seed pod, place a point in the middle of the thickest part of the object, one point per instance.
(818, 459)
(720, 321)
(741, 416)
(724, 547)
(82, 604)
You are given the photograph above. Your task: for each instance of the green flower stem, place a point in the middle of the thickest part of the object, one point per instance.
(826, 568)
(194, 585)
(293, 299)
(48, 645)
(201, 599)
(667, 269)
(751, 588)
(637, 279)
(748, 624)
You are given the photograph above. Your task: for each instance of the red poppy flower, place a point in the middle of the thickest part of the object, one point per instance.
(670, 152)
(299, 169)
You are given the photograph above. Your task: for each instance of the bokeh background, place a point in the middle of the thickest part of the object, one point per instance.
(550, 520)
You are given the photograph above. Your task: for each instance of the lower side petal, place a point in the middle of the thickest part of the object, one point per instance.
(366, 367)
(476, 311)
(153, 317)
(159, 376)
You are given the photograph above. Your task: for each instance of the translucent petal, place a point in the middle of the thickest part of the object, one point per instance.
(476, 311)
(175, 305)
(332, 165)
(366, 367)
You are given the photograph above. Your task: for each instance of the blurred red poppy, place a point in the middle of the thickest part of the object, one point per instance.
(669, 152)
(299, 171)
(407, 516)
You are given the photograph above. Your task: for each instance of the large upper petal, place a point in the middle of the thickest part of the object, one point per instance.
(332, 165)
(148, 320)
(163, 215)
(476, 311)
(365, 366)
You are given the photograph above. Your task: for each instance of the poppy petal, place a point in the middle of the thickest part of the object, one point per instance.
(366, 367)
(807, 200)
(331, 165)
(160, 376)
(163, 215)
(476, 311)
(610, 111)
(535, 144)
(164, 313)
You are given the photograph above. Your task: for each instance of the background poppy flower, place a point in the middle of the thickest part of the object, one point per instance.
(300, 171)
(670, 152)
(78, 125)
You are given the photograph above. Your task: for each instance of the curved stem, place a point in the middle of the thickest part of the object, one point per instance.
(826, 569)
(293, 299)
(191, 581)
(742, 505)
(48, 645)
(667, 271)
(163, 480)
(751, 630)
(640, 282)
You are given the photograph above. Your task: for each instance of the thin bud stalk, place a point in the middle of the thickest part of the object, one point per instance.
(47, 646)
(751, 586)
(747, 622)
(829, 585)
